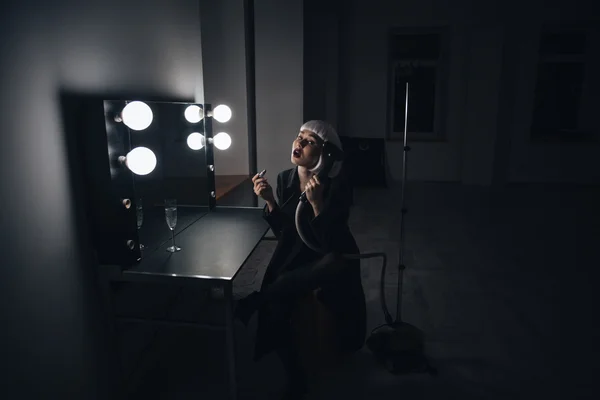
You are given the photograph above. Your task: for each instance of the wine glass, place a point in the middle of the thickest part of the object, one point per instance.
(171, 216)
(139, 212)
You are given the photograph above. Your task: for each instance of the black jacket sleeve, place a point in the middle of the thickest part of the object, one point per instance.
(332, 221)
(276, 219)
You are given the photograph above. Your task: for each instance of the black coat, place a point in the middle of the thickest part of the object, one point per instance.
(344, 296)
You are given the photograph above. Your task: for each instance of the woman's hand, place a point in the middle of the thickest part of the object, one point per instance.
(314, 194)
(263, 189)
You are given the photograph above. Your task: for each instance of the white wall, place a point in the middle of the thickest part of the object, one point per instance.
(279, 81)
(473, 48)
(479, 34)
(482, 78)
(488, 103)
(321, 60)
(52, 331)
(224, 71)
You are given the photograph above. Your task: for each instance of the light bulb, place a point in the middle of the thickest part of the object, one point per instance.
(195, 141)
(193, 114)
(137, 115)
(222, 113)
(141, 160)
(222, 141)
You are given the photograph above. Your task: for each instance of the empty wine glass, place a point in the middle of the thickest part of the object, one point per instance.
(171, 216)
(139, 212)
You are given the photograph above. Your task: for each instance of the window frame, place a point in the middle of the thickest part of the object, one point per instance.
(578, 135)
(441, 83)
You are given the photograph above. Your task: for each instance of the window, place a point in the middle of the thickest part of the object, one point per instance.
(416, 58)
(559, 87)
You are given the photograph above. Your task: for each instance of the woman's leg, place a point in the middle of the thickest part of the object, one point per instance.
(292, 284)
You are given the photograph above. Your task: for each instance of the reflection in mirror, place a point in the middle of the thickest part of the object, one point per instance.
(168, 161)
(231, 190)
(234, 190)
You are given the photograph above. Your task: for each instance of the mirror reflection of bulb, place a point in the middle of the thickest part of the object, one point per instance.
(193, 114)
(222, 141)
(195, 141)
(141, 161)
(222, 113)
(137, 115)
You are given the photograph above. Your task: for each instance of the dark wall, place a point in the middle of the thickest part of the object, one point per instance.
(54, 341)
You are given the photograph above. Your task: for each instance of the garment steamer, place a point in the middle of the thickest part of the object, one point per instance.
(331, 154)
(396, 344)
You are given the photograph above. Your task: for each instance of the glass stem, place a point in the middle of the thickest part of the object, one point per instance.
(173, 236)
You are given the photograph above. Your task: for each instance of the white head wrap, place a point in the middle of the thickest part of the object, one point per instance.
(328, 134)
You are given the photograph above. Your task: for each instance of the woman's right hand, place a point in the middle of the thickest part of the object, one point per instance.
(262, 188)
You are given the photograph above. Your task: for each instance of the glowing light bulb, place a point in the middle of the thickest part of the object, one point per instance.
(222, 141)
(195, 141)
(222, 113)
(137, 115)
(193, 114)
(141, 160)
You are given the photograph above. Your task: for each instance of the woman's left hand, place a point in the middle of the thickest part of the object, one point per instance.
(314, 192)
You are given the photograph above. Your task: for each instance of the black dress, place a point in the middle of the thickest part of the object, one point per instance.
(343, 295)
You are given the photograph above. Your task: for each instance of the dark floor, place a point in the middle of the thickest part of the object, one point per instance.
(501, 282)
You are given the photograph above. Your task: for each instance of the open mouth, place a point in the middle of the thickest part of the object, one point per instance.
(297, 153)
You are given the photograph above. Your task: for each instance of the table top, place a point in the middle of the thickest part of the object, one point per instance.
(154, 231)
(214, 247)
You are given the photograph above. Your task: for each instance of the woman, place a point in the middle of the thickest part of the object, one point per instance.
(295, 269)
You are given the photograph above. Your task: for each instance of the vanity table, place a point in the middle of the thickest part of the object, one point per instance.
(215, 248)
(148, 174)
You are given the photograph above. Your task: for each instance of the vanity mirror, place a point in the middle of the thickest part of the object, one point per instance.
(162, 147)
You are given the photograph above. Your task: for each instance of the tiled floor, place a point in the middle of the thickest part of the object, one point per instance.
(501, 282)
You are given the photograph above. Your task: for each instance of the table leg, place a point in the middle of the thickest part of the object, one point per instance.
(230, 341)
(113, 332)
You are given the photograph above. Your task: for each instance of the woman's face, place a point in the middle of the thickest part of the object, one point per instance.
(306, 149)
